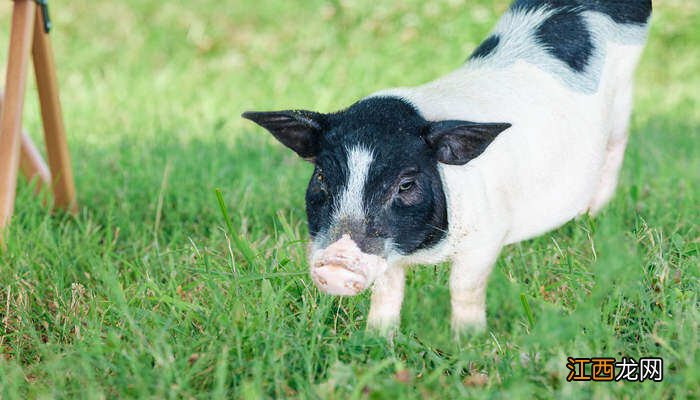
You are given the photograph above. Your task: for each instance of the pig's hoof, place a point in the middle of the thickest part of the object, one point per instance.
(338, 281)
(383, 326)
(468, 327)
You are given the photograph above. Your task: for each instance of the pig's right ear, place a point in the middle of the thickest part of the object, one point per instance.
(297, 129)
(458, 142)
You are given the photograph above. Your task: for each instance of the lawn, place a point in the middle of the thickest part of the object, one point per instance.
(150, 292)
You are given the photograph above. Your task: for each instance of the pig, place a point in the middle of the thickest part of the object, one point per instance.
(527, 134)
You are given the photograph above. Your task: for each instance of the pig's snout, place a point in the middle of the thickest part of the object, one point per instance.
(339, 281)
(342, 269)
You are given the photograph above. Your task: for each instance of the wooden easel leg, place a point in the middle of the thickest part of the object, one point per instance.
(54, 130)
(30, 162)
(23, 15)
(32, 165)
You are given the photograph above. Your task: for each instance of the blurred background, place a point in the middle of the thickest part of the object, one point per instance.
(145, 83)
(148, 293)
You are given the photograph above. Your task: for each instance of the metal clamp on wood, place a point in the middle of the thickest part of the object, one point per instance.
(44, 6)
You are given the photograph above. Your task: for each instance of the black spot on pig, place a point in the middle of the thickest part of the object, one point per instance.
(392, 129)
(620, 11)
(623, 11)
(565, 36)
(486, 47)
(403, 197)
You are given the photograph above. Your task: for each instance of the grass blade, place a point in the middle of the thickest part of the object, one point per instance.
(528, 310)
(240, 244)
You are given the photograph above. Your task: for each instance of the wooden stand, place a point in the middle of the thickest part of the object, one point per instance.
(27, 36)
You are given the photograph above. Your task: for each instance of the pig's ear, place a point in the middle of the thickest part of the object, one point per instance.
(457, 142)
(297, 129)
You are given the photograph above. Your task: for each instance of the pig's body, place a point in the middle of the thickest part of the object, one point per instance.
(559, 75)
(561, 156)
(560, 159)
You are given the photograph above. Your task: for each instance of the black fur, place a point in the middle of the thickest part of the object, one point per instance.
(406, 148)
(392, 129)
(296, 129)
(458, 142)
(624, 11)
(565, 36)
(620, 11)
(486, 47)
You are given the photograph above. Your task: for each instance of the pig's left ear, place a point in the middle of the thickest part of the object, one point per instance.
(457, 142)
(297, 129)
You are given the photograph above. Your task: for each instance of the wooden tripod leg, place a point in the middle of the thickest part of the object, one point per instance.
(32, 165)
(30, 162)
(54, 131)
(23, 15)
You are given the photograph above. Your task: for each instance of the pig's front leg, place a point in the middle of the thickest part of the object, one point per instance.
(387, 296)
(468, 279)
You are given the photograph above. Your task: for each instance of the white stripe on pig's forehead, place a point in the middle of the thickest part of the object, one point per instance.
(351, 204)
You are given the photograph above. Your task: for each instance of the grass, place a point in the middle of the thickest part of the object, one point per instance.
(150, 292)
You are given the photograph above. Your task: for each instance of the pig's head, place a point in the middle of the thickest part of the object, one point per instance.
(376, 195)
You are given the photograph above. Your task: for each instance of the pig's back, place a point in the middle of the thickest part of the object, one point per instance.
(563, 102)
(568, 39)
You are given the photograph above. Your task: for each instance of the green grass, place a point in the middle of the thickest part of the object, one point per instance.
(149, 292)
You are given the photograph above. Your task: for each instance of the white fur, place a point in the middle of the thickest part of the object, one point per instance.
(517, 33)
(387, 296)
(560, 158)
(351, 205)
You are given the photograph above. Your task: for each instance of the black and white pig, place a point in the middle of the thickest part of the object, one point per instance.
(529, 133)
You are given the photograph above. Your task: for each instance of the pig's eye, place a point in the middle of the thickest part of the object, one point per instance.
(318, 185)
(320, 178)
(406, 185)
